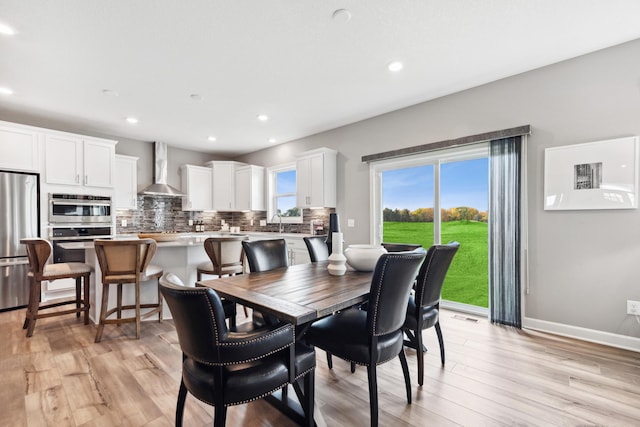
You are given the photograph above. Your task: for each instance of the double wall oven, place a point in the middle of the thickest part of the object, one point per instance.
(77, 218)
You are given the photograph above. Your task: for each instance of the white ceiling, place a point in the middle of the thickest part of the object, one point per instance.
(285, 58)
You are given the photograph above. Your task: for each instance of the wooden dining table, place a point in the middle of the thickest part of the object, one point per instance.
(299, 294)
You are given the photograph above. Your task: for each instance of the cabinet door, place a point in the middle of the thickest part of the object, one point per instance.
(18, 148)
(298, 252)
(99, 159)
(197, 185)
(316, 179)
(63, 160)
(126, 182)
(224, 187)
(243, 189)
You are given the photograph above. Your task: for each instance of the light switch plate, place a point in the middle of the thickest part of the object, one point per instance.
(263, 222)
(351, 222)
(123, 223)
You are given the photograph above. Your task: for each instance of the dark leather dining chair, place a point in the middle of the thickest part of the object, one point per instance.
(265, 255)
(224, 368)
(373, 336)
(317, 247)
(424, 305)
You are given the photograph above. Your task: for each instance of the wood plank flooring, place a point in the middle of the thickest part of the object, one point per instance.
(494, 376)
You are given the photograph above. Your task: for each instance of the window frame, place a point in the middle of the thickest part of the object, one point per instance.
(272, 173)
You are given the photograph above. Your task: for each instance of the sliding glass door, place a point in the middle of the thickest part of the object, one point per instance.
(438, 198)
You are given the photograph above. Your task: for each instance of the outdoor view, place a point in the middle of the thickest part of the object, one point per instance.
(408, 208)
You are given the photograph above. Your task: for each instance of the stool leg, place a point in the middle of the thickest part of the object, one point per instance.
(78, 295)
(87, 304)
(137, 309)
(160, 304)
(119, 316)
(103, 310)
(32, 310)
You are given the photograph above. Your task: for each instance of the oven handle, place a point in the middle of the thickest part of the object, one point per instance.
(79, 202)
(78, 238)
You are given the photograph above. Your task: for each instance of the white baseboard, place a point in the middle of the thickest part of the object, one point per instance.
(591, 335)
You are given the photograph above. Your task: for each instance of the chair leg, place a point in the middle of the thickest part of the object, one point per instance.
(353, 368)
(373, 394)
(220, 417)
(329, 360)
(182, 397)
(28, 312)
(440, 341)
(103, 311)
(420, 356)
(160, 303)
(405, 371)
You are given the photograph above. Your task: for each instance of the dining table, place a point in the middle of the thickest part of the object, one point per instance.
(298, 294)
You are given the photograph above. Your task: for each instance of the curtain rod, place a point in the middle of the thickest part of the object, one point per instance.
(466, 140)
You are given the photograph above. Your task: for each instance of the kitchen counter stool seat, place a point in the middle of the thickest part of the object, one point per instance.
(38, 252)
(122, 262)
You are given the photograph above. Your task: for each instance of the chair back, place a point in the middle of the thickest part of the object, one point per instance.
(265, 255)
(198, 317)
(317, 247)
(225, 252)
(124, 261)
(433, 272)
(400, 247)
(38, 252)
(391, 284)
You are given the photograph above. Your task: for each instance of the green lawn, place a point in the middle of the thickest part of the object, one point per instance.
(468, 278)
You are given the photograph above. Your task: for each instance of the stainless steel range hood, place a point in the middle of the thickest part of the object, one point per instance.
(160, 186)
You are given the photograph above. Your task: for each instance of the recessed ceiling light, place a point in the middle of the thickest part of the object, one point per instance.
(196, 97)
(132, 120)
(272, 140)
(395, 66)
(341, 15)
(263, 117)
(211, 138)
(5, 91)
(6, 30)
(109, 92)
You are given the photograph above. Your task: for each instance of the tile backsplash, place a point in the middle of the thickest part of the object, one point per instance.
(160, 213)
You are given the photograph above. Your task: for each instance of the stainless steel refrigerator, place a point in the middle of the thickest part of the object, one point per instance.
(19, 218)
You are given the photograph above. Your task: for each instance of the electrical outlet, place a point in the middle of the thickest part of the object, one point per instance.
(633, 307)
(190, 223)
(351, 222)
(251, 222)
(263, 222)
(123, 223)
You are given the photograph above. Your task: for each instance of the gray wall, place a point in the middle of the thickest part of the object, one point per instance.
(584, 265)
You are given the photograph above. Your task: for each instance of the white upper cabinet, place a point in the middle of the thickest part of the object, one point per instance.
(79, 161)
(197, 184)
(316, 178)
(224, 183)
(126, 185)
(250, 188)
(18, 147)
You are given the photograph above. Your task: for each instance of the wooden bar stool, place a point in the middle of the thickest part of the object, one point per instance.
(38, 252)
(121, 262)
(226, 258)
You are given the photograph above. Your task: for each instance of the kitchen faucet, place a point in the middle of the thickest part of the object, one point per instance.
(280, 227)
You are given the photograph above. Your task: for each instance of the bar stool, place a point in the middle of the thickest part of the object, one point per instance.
(121, 262)
(226, 256)
(38, 252)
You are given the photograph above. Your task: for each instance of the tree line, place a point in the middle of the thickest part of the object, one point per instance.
(462, 213)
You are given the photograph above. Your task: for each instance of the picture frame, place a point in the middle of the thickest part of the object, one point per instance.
(593, 175)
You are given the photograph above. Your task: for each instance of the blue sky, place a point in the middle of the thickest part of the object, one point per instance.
(463, 183)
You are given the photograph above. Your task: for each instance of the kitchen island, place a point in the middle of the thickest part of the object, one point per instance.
(180, 256)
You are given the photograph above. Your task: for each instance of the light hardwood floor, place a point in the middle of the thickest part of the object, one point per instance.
(493, 376)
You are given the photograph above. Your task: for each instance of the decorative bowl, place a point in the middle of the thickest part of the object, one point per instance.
(363, 257)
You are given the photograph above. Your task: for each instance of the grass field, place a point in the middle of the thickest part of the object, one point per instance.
(467, 279)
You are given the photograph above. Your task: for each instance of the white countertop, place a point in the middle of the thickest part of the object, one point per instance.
(188, 239)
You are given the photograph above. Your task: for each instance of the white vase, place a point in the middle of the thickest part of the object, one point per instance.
(364, 257)
(337, 260)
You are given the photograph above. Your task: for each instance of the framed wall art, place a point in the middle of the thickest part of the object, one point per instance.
(594, 175)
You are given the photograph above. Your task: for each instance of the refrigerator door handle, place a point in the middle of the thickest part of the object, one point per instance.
(12, 262)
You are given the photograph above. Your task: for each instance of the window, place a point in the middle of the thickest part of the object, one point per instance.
(282, 195)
